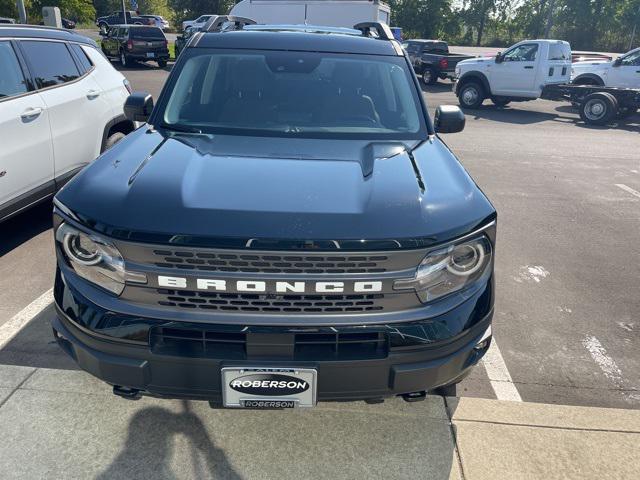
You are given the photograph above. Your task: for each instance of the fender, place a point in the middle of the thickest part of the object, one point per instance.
(474, 75)
(588, 78)
(124, 125)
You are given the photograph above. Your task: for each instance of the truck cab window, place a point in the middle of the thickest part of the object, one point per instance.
(522, 53)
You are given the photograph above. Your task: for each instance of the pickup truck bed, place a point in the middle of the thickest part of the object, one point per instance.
(433, 66)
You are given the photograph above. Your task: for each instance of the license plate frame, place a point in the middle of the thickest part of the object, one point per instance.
(245, 387)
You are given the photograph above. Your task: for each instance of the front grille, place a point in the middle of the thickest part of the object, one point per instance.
(205, 343)
(242, 302)
(260, 263)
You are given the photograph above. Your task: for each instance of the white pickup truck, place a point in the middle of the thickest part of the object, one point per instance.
(519, 74)
(623, 72)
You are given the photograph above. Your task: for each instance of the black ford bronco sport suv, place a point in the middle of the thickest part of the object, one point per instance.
(287, 227)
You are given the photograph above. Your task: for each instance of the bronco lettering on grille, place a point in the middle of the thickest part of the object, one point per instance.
(275, 286)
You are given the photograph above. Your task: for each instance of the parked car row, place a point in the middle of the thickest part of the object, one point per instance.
(61, 105)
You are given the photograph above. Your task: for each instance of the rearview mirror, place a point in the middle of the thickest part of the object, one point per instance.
(499, 57)
(617, 62)
(138, 106)
(448, 119)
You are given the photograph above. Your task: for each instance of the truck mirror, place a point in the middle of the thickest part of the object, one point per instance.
(449, 119)
(138, 106)
(617, 62)
(499, 57)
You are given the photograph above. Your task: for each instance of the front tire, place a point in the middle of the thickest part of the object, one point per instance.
(598, 108)
(112, 140)
(471, 95)
(429, 76)
(124, 60)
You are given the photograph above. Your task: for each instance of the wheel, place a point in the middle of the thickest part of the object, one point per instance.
(124, 60)
(626, 112)
(500, 102)
(598, 108)
(471, 95)
(162, 63)
(429, 76)
(112, 140)
(446, 390)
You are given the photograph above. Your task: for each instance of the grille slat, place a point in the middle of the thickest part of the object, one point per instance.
(195, 342)
(268, 303)
(224, 262)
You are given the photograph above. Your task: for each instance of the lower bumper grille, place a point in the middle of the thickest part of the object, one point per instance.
(270, 303)
(203, 343)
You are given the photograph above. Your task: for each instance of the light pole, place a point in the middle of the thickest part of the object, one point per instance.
(22, 12)
(124, 12)
(633, 32)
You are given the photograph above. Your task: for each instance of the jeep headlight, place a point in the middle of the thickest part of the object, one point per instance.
(92, 257)
(450, 269)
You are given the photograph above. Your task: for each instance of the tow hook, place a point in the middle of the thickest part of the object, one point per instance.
(414, 396)
(127, 393)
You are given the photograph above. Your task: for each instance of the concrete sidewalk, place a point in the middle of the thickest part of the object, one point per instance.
(65, 424)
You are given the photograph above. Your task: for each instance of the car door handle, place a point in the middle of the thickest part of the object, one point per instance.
(529, 67)
(91, 94)
(30, 113)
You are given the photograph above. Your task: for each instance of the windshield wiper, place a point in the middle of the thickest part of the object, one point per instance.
(180, 128)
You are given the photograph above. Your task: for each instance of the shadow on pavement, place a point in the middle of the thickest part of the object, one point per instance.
(438, 87)
(142, 66)
(24, 226)
(148, 448)
(35, 346)
(529, 117)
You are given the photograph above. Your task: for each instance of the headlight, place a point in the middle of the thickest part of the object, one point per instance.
(449, 269)
(92, 257)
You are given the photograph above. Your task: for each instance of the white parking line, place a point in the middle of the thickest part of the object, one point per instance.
(498, 374)
(19, 320)
(628, 189)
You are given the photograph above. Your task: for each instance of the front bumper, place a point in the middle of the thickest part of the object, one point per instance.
(186, 369)
(157, 55)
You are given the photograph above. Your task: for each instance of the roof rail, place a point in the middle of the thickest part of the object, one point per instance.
(382, 30)
(226, 22)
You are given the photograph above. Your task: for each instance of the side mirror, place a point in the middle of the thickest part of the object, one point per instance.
(138, 106)
(102, 33)
(499, 58)
(617, 62)
(449, 119)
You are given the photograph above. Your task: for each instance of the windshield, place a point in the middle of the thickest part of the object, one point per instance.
(305, 94)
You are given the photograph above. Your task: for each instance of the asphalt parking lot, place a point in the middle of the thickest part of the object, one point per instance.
(567, 304)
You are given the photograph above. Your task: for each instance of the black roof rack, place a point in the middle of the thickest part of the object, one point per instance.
(382, 30)
(226, 22)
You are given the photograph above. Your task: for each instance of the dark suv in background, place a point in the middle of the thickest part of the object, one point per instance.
(117, 18)
(286, 228)
(128, 43)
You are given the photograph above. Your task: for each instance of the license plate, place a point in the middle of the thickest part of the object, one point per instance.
(269, 387)
(150, 54)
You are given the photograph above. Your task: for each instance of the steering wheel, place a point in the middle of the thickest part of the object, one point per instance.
(361, 118)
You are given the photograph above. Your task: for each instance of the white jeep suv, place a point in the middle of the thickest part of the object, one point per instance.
(61, 105)
(623, 72)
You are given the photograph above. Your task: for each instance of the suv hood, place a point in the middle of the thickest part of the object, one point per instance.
(276, 188)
